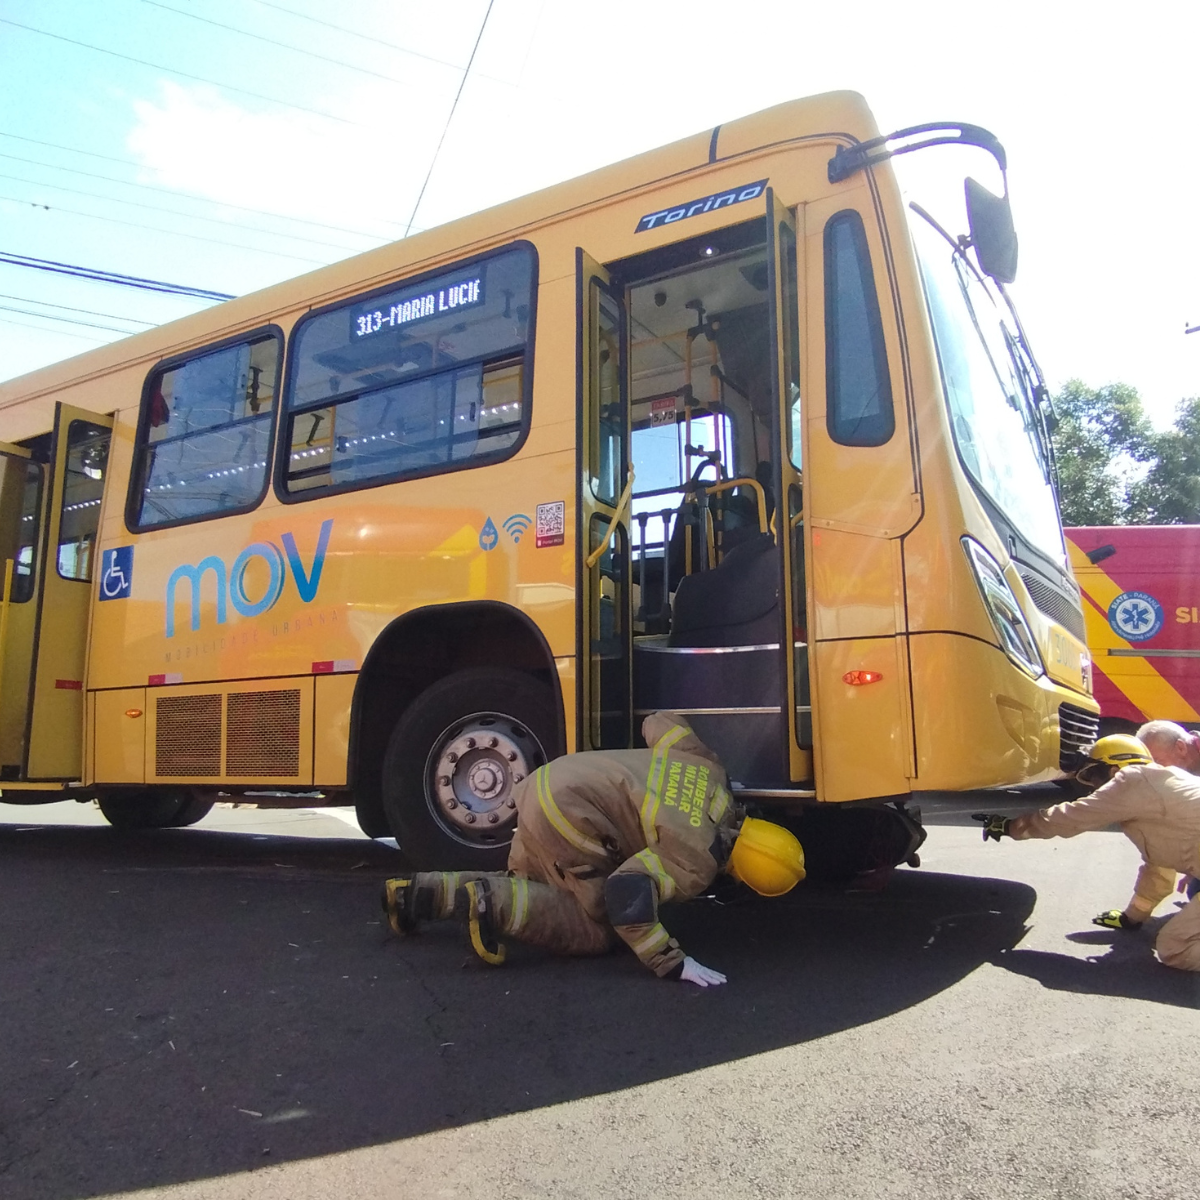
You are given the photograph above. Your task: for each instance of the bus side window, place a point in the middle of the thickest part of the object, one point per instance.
(20, 510)
(428, 377)
(204, 435)
(858, 390)
(87, 457)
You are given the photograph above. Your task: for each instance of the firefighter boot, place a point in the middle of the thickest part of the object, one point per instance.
(474, 902)
(405, 904)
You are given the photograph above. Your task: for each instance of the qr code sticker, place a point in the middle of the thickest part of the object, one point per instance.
(551, 523)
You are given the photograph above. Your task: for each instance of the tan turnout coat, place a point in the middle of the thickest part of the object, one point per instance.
(1158, 809)
(625, 830)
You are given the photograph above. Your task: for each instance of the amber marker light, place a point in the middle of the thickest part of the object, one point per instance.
(858, 678)
(133, 712)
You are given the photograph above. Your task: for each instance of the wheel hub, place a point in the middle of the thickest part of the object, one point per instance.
(475, 766)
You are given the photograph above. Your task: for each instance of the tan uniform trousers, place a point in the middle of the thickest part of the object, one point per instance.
(565, 917)
(1178, 941)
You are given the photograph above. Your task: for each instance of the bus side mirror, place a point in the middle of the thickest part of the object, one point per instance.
(992, 232)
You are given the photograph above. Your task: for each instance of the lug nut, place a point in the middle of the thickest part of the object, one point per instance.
(511, 756)
(451, 803)
(518, 777)
(493, 818)
(510, 804)
(493, 742)
(470, 743)
(470, 818)
(452, 757)
(444, 780)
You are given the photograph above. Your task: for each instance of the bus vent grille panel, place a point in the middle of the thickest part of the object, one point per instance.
(188, 740)
(1056, 606)
(262, 736)
(1077, 730)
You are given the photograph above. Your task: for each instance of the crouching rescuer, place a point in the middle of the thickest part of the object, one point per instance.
(603, 838)
(1158, 809)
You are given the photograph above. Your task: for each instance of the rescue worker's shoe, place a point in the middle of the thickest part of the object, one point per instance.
(474, 902)
(1114, 918)
(400, 902)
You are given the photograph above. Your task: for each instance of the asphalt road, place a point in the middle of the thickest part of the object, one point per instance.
(218, 1012)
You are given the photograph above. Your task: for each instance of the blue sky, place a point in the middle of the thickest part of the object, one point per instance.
(235, 152)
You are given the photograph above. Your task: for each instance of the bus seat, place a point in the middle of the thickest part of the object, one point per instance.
(734, 604)
(739, 524)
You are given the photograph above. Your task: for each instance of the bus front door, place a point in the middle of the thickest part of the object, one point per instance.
(49, 517)
(605, 626)
(787, 455)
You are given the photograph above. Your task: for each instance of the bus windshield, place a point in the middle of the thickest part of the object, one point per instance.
(989, 393)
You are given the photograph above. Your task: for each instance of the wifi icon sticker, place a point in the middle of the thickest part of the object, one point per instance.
(516, 525)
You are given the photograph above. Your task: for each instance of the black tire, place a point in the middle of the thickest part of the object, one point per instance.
(448, 775)
(372, 820)
(842, 843)
(153, 810)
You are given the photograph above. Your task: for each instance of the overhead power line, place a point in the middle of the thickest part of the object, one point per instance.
(258, 37)
(162, 208)
(83, 337)
(125, 162)
(29, 312)
(133, 281)
(445, 128)
(193, 237)
(91, 312)
(362, 37)
(141, 62)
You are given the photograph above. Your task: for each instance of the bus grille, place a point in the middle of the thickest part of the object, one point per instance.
(188, 740)
(1077, 730)
(1053, 604)
(262, 733)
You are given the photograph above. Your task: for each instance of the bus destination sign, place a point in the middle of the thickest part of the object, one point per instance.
(467, 293)
(696, 208)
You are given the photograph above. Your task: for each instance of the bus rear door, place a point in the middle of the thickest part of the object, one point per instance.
(49, 517)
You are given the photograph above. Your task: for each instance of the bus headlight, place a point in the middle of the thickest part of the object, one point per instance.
(1007, 618)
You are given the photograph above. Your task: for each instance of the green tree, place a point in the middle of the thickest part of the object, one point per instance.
(1169, 494)
(1102, 437)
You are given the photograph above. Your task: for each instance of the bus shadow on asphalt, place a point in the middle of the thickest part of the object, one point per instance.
(1123, 965)
(192, 1003)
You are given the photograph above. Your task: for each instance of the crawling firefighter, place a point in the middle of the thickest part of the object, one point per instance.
(602, 839)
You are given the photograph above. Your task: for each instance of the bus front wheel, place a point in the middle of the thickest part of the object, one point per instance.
(453, 761)
(153, 810)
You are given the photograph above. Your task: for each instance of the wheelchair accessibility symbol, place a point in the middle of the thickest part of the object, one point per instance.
(116, 574)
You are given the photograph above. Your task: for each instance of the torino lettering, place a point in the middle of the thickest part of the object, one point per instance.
(231, 582)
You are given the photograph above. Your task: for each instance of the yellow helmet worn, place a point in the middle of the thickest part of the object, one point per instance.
(1119, 750)
(767, 858)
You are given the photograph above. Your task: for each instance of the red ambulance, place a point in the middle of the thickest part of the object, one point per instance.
(1141, 606)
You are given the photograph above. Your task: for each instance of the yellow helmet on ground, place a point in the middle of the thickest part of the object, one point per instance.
(1119, 750)
(767, 858)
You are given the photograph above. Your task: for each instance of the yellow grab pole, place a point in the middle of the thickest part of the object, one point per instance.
(595, 556)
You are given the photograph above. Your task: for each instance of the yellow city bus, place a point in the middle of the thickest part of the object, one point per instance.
(730, 428)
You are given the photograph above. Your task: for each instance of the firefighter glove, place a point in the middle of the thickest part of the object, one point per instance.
(994, 825)
(1115, 919)
(703, 977)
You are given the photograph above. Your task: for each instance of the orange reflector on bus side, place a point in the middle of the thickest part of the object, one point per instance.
(856, 678)
(133, 712)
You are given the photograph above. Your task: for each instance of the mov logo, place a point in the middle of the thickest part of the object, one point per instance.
(231, 581)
